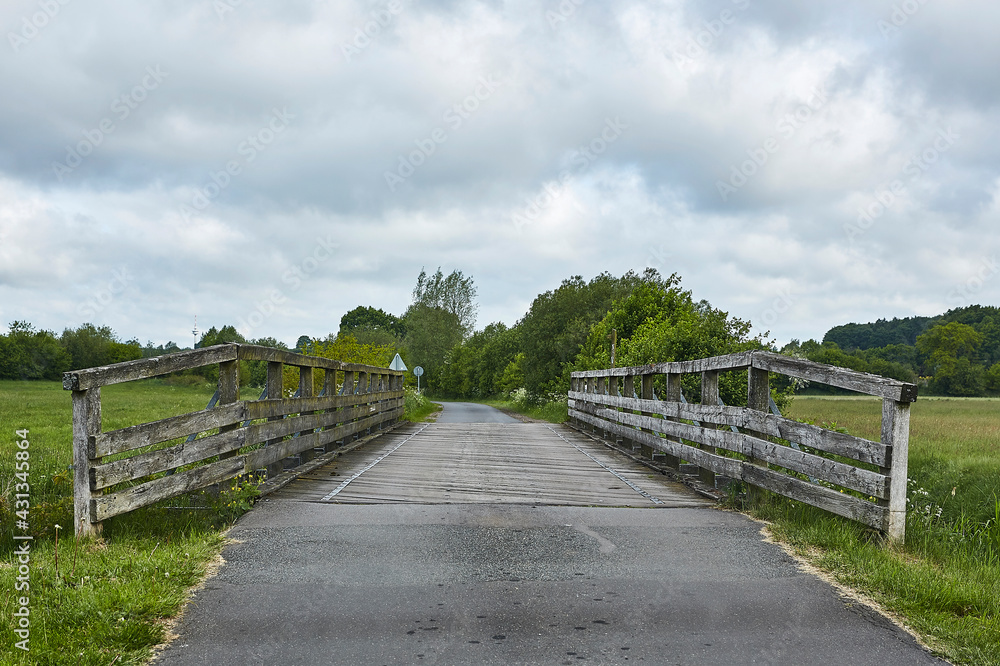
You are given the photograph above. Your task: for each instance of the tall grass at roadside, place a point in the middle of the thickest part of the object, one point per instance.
(553, 409)
(945, 580)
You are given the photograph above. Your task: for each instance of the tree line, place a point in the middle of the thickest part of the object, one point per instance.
(954, 354)
(628, 320)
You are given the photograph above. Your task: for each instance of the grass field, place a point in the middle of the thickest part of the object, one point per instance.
(945, 581)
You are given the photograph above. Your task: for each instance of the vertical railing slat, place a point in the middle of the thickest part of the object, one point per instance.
(86, 426)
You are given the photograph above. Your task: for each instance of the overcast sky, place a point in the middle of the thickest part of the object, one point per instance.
(275, 164)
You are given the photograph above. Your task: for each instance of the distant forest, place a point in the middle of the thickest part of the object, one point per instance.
(956, 353)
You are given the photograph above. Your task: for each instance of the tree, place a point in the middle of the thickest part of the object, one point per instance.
(364, 318)
(441, 316)
(431, 334)
(31, 354)
(951, 339)
(559, 321)
(455, 294)
(659, 322)
(90, 346)
(221, 336)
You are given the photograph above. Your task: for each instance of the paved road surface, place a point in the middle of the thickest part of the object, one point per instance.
(470, 412)
(309, 582)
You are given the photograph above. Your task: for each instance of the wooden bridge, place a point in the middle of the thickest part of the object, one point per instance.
(480, 539)
(339, 406)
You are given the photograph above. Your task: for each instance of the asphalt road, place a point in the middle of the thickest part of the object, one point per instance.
(312, 583)
(470, 412)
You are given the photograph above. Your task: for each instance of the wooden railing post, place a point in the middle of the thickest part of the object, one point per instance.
(896, 435)
(306, 391)
(601, 388)
(330, 388)
(709, 396)
(86, 426)
(673, 394)
(229, 392)
(758, 393)
(614, 390)
(275, 390)
(628, 389)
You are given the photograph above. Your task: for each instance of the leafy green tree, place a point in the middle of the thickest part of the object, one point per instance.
(952, 339)
(474, 367)
(661, 322)
(455, 294)
(220, 336)
(367, 318)
(992, 378)
(559, 322)
(90, 346)
(441, 316)
(958, 377)
(32, 354)
(431, 333)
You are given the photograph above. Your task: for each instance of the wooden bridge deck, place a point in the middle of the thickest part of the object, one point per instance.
(496, 463)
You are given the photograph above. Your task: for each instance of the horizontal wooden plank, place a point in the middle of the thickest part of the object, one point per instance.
(146, 434)
(827, 499)
(718, 464)
(829, 441)
(258, 353)
(263, 409)
(862, 382)
(79, 380)
(852, 380)
(832, 471)
(153, 462)
(836, 502)
(273, 429)
(275, 452)
(106, 506)
(738, 361)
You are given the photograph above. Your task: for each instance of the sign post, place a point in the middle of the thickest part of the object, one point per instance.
(418, 371)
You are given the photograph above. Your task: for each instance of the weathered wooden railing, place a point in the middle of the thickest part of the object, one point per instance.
(761, 453)
(240, 436)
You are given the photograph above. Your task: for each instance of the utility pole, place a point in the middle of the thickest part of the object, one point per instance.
(194, 333)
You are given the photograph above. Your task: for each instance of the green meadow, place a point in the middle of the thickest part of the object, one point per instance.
(944, 583)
